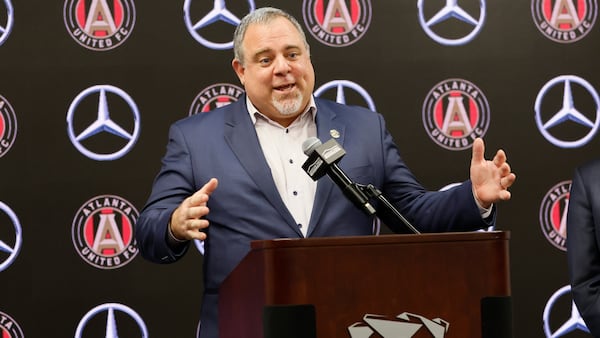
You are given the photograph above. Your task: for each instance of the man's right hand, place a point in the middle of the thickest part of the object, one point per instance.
(187, 220)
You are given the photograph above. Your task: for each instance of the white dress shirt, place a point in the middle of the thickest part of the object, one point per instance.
(282, 148)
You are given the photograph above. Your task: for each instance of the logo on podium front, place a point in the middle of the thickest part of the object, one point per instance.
(404, 325)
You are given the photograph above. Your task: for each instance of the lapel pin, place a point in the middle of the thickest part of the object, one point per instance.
(334, 133)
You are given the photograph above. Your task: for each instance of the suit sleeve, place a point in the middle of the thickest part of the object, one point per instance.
(583, 254)
(454, 209)
(171, 186)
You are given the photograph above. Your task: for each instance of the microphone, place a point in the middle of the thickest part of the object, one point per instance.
(322, 159)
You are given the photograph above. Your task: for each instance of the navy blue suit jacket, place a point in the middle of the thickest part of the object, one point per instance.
(583, 243)
(246, 205)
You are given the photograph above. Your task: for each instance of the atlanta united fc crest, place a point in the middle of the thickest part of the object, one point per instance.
(8, 126)
(337, 23)
(9, 328)
(103, 232)
(215, 96)
(564, 21)
(455, 113)
(99, 24)
(553, 214)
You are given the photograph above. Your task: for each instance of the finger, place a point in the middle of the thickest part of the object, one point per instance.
(504, 169)
(194, 225)
(508, 181)
(197, 212)
(504, 195)
(194, 229)
(195, 234)
(500, 158)
(478, 150)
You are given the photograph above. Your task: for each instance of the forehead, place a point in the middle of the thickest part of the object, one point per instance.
(273, 34)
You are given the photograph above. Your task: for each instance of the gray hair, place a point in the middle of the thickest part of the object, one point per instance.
(261, 15)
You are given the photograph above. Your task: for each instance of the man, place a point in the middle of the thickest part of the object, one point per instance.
(583, 243)
(254, 148)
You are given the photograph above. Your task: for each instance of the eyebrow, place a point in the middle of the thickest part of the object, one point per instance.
(270, 50)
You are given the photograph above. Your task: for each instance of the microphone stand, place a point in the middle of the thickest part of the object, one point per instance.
(371, 191)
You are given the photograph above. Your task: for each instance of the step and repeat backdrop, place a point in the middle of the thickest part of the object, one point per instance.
(88, 89)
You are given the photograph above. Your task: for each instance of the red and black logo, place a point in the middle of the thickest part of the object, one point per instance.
(564, 21)
(8, 126)
(553, 214)
(9, 328)
(337, 23)
(215, 96)
(455, 113)
(99, 24)
(103, 232)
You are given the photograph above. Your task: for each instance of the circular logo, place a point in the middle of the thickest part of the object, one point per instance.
(12, 246)
(463, 24)
(561, 313)
(9, 327)
(215, 24)
(99, 24)
(455, 113)
(337, 23)
(564, 21)
(553, 214)
(102, 125)
(111, 309)
(215, 96)
(8, 126)
(343, 90)
(567, 111)
(8, 24)
(103, 232)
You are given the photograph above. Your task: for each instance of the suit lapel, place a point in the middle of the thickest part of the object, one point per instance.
(241, 137)
(327, 125)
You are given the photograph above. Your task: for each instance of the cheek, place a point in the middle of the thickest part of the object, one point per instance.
(257, 87)
(259, 81)
(307, 72)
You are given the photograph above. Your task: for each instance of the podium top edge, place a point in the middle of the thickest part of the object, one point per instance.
(381, 239)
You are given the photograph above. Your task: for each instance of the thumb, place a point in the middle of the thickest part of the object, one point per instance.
(201, 196)
(210, 186)
(478, 150)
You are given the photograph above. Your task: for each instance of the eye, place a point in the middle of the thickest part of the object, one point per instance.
(264, 61)
(293, 55)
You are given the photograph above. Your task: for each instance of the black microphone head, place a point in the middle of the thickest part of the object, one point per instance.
(310, 144)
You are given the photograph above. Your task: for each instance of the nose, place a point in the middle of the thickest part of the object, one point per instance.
(281, 65)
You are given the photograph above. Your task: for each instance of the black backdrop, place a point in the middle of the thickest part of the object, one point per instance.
(48, 288)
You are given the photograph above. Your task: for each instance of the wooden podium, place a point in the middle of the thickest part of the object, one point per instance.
(450, 276)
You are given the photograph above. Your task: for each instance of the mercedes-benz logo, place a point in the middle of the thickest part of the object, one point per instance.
(219, 12)
(575, 322)
(103, 122)
(340, 86)
(111, 322)
(12, 248)
(451, 10)
(568, 111)
(7, 27)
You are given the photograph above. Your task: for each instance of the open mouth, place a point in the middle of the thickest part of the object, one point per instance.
(285, 88)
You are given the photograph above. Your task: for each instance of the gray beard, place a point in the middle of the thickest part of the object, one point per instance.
(288, 106)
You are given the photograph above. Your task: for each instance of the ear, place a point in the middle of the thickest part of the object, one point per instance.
(239, 70)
